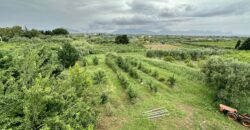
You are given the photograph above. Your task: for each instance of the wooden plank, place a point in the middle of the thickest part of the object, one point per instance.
(154, 110)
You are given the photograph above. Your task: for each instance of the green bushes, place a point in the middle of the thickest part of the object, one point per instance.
(169, 59)
(122, 39)
(152, 87)
(99, 77)
(182, 54)
(84, 62)
(32, 97)
(131, 93)
(231, 80)
(95, 60)
(68, 55)
(104, 98)
(113, 61)
(172, 81)
(245, 45)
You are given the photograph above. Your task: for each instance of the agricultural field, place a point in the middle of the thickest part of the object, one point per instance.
(78, 82)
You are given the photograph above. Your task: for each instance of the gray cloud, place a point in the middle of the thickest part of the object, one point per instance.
(144, 15)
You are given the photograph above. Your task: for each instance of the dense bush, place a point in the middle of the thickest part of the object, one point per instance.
(152, 87)
(131, 93)
(104, 98)
(95, 60)
(31, 97)
(60, 31)
(84, 62)
(68, 55)
(182, 54)
(155, 74)
(245, 45)
(237, 44)
(99, 77)
(169, 59)
(113, 61)
(172, 81)
(122, 39)
(231, 80)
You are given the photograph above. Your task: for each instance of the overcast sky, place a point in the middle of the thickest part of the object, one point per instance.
(158, 16)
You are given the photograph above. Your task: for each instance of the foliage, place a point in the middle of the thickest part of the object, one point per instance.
(152, 87)
(231, 80)
(169, 59)
(131, 93)
(95, 60)
(155, 74)
(84, 62)
(245, 45)
(122, 39)
(238, 44)
(104, 98)
(68, 55)
(31, 33)
(60, 31)
(172, 81)
(99, 77)
(183, 54)
(32, 97)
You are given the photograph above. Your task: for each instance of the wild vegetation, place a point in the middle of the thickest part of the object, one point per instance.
(57, 80)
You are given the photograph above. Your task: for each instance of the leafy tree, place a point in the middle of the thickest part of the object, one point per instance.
(31, 33)
(48, 32)
(245, 45)
(231, 81)
(122, 39)
(238, 44)
(68, 55)
(60, 31)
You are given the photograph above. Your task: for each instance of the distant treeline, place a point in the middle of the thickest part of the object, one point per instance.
(10, 32)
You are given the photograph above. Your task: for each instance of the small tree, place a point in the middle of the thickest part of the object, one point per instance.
(122, 39)
(68, 55)
(60, 31)
(172, 81)
(245, 45)
(238, 44)
(95, 61)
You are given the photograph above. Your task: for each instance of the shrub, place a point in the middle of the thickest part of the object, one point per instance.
(172, 81)
(60, 31)
(104, 98)
(131, 93)
(231, 80)
(169, 59)
(238, 44)
(245, 45)
(122, 39)
(161, 79)
(151, 86)
(133, 73)
(182, 54)
(68, 55)
(84, 62)
(123, 80)
(99, 77)
(95, 61)
(155, 74)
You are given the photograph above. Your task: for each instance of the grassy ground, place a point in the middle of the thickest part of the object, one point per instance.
(190, 102)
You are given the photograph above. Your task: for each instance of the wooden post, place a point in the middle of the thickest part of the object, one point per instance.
(1, 39)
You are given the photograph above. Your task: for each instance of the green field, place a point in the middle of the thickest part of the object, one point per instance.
(190, 102)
